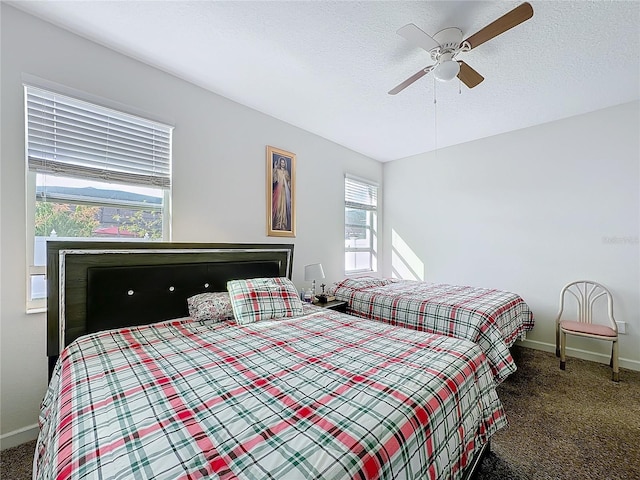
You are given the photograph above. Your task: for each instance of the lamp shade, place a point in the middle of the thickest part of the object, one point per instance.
(313, 272)
(447, 70)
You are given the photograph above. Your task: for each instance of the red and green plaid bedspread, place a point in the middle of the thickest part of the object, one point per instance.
(324, 396)
(494, 319)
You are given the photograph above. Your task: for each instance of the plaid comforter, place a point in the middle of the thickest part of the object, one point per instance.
(325, 396)
(493, 319)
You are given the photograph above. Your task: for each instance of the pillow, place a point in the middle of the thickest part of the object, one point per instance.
(258, 299)
(360, 282)
(212, 306)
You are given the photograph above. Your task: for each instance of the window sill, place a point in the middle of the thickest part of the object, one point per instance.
(355, 273)
(31, 311)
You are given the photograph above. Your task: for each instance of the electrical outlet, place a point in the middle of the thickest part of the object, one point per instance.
(622, 327)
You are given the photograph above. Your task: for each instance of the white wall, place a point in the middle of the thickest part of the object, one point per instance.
(528, 212)
(218, 176)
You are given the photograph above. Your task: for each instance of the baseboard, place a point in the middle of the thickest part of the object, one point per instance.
(578, 353)
(18, 437)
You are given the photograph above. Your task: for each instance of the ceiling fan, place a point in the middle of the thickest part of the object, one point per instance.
(445, 45)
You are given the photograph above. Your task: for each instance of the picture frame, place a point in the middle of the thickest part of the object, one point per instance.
(281, 193)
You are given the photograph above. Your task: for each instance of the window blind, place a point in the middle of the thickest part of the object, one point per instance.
(360, 194)
(70, 137)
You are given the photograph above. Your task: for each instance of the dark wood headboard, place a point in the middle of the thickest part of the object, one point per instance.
(94, 286)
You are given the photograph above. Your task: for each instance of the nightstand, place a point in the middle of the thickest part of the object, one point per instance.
(337, 305)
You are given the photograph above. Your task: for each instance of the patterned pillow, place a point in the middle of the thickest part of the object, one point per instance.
(358, 283)
(258, 299)
(211, 306)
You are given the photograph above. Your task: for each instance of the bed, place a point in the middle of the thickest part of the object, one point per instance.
(319, 394)
(494, 319)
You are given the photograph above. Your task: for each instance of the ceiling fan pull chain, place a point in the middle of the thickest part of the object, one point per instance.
(435, 85)
(435, 118)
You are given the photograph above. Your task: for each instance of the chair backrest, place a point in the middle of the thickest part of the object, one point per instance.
(586, 292)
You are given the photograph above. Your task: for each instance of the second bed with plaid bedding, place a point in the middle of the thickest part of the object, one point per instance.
(324, 395)
(494, 319)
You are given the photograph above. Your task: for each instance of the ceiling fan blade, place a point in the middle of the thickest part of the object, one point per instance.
(501, 25)
(417, 37)
(411, 79)
(468, 75)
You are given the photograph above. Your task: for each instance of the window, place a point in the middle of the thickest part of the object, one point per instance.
(360, 225)
(92, 172)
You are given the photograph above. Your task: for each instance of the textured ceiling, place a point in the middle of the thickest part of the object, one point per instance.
(327, 66)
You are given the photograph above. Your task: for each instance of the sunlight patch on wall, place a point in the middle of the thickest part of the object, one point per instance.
(405, 263)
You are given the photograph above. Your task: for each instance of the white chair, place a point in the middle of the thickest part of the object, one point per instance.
(586, 293)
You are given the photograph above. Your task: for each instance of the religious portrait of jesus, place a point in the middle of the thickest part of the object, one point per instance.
(280, 193)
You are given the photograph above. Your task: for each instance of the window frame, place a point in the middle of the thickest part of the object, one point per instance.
(39, 304)
(371, 227)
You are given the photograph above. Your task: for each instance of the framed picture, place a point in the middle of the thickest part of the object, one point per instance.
(281, 193)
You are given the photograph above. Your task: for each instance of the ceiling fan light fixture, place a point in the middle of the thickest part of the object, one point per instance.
(447, 70)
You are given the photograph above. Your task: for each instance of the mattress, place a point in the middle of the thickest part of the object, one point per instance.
(494, 319)
(324, 395)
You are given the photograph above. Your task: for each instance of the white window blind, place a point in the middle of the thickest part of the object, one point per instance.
(359, 194)
(71, 137)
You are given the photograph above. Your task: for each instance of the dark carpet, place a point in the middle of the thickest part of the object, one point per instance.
(566, 425)
(569, 425)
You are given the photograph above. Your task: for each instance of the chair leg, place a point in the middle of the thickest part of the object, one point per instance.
(563, 344)
(557, 339)
(614, 362)
(613, 353)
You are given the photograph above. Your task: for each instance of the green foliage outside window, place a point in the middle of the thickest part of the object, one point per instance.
(142, 223)
(67, 222)
(83, 221)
